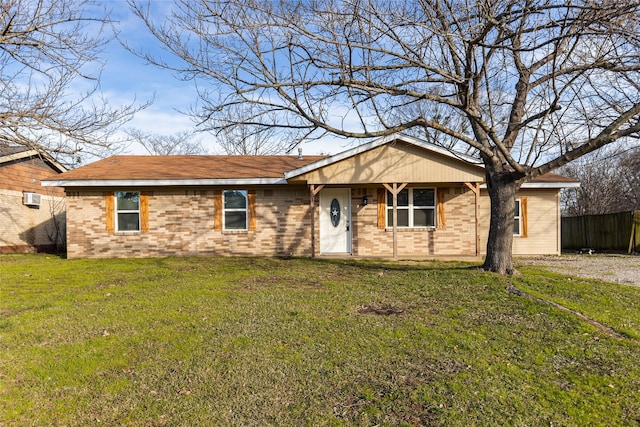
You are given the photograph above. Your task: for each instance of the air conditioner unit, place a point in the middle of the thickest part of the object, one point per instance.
(31, 199)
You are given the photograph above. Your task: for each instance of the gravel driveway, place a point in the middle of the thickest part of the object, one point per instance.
(612, 268)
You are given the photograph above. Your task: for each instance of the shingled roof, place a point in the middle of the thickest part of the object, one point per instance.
(187, 168)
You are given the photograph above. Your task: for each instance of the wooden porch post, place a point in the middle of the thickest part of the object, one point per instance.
(475, 187)
(394, 189)
(313, 191)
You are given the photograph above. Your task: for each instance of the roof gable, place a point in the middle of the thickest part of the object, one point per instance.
(11, 154)
(403, 158)
(8, 150)
(397, 159)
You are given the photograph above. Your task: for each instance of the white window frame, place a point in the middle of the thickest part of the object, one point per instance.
(517, 216)
(117, 212)
(411, 207)
(245, 210)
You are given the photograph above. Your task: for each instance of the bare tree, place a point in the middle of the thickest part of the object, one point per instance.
(164, 145)
(249, 138)
(537, 83)
(630, 178)
(48, 50)
(609, 183)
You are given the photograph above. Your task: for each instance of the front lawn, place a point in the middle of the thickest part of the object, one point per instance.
(260, 341)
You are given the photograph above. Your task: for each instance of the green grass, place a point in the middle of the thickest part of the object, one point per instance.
(255, 341)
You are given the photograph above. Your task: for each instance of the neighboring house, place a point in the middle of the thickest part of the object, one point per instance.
(303, 206)
(32, 217)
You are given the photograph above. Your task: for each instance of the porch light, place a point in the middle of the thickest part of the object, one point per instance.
(365, 201)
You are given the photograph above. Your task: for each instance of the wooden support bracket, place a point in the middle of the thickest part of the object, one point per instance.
(395, 189)
(313, 191)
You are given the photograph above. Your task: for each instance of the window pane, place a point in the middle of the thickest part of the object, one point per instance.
(424, 217)
(516, 211)
(235, 199)
(235, 220)
(403, 198)
(403, 217)
(128, 200)
(516, 226)
(424, 197)
(128, 222)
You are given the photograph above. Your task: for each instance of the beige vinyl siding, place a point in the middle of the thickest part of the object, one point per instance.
(395, 163)
(543, 222)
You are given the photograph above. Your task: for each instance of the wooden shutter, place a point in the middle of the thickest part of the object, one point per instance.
(251, 211)
(440, 193)
(382, 208)
(217, 210)
(523, 215)
(110, 211)
(144, 211)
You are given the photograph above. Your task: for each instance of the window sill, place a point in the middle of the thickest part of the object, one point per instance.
(127, 233)
(235, 231)
(411, 229)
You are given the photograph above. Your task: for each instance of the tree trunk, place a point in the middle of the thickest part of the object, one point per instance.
(502, 189)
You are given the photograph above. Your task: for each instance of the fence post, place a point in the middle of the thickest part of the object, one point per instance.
(634, 240)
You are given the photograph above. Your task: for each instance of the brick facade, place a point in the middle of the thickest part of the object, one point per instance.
(181, 204)
(181, 222)
(29, 228)
(456, 238)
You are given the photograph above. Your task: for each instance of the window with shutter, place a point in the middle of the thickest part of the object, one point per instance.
(234, 210)
(127, 210)
(416, 208)
(520, 217)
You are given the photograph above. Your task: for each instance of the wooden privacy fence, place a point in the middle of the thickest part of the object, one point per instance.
(615, 232)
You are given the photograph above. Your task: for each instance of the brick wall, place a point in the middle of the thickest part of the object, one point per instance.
(181, 222)
(29, 229)
(24, 228)
(456, 238)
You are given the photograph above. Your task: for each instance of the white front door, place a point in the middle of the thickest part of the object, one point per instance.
(335, 220)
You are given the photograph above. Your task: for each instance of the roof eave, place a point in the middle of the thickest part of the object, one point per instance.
(550, 185)
(161, 182)
(543, 185)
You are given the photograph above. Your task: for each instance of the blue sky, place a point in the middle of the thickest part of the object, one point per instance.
(127, 78)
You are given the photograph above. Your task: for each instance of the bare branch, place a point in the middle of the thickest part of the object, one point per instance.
(164, 145)
(46, 48)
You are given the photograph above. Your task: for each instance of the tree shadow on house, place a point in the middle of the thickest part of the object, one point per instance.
(46, 237)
